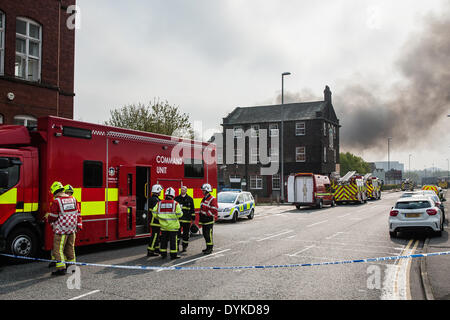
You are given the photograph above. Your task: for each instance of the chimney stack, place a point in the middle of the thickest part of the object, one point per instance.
(327, 94)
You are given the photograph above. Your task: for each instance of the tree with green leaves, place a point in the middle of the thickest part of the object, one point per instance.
(350, 162)
(157, 117)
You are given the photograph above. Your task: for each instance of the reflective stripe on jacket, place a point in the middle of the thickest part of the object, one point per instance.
(208, 210)
(168, 213)
(187, 205)
(64, 215)
(153, 201)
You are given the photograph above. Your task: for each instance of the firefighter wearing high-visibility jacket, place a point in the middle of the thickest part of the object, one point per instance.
(66, 221)
(153, 246)
(68, 189)
(187, 205)
(207, 216)
(169, 212)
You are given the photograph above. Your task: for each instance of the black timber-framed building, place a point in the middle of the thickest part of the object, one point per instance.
(311, 144)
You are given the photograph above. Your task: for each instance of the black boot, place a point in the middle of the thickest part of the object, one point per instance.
(59, 272)
(208, 250)
(151, 253)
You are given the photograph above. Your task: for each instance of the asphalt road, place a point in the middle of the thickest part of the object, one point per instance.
(278, 235)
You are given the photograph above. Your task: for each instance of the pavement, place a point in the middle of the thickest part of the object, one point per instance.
(435, 270)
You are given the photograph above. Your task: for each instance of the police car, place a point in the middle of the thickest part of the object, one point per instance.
(235, 203)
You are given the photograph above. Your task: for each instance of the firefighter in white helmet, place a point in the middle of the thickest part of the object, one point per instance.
(153, 246)
(169, 212)
(207, 216)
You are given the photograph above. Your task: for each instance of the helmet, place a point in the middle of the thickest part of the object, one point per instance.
(194, 228)
(206, 187)
(157, 188)
(68, 189)
(170, 192)
(56, 187)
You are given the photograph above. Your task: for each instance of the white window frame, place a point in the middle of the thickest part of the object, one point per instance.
(2, 42)
(325, 154)
(26, 56)
(276, 177)
(274, 154)
(25, 119)
(300, 151)
(256, 182)
(237, 132)
(219, 156)
(255, 130)
(238, 158)
(273, 132)
(324, 129)
(254, 155)
(299, 128)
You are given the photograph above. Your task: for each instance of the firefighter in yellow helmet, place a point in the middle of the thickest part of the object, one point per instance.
(65, 220)
(169, 212)
(68, 189)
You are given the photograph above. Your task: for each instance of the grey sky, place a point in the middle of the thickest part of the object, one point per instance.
(209, 57)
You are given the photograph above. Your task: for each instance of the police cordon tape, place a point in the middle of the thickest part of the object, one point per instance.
(366, 260)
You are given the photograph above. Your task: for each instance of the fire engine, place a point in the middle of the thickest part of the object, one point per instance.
(373, 187)
(350, 188)
(111, 169)
(408, 184)
(308, 189)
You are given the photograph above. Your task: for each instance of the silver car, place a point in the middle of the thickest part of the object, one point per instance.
(415, 213)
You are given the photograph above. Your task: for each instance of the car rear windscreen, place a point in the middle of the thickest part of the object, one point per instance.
(413, 205)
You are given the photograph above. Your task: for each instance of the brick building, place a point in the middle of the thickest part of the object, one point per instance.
(37, 53)
(311, 144)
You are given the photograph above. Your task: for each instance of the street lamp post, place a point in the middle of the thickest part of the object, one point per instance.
(282, 134)
(389, 157)
(409, 165)
(448, 169)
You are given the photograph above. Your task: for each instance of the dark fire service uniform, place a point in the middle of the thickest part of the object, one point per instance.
(153, 246)
(187, 205)
(207, 216)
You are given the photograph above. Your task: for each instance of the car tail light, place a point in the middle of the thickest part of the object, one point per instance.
(393, 213)
(432, 212)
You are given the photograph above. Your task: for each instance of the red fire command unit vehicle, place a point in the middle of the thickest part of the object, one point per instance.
(308, 189)
(111, 169)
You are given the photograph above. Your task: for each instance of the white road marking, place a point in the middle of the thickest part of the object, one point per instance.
(276, 235)
(345, 215)
(188, 261)
(306, 249)
(84, 295)
(317, 223)
(334, 235)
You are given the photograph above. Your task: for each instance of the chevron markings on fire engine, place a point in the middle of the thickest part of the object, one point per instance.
(366, 260)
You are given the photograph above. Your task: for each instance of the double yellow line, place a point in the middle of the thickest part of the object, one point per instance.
(408, 268)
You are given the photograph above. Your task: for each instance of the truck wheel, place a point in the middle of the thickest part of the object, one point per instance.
(320, 204)
(393, 234)
(298, 207)
(22, 242)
